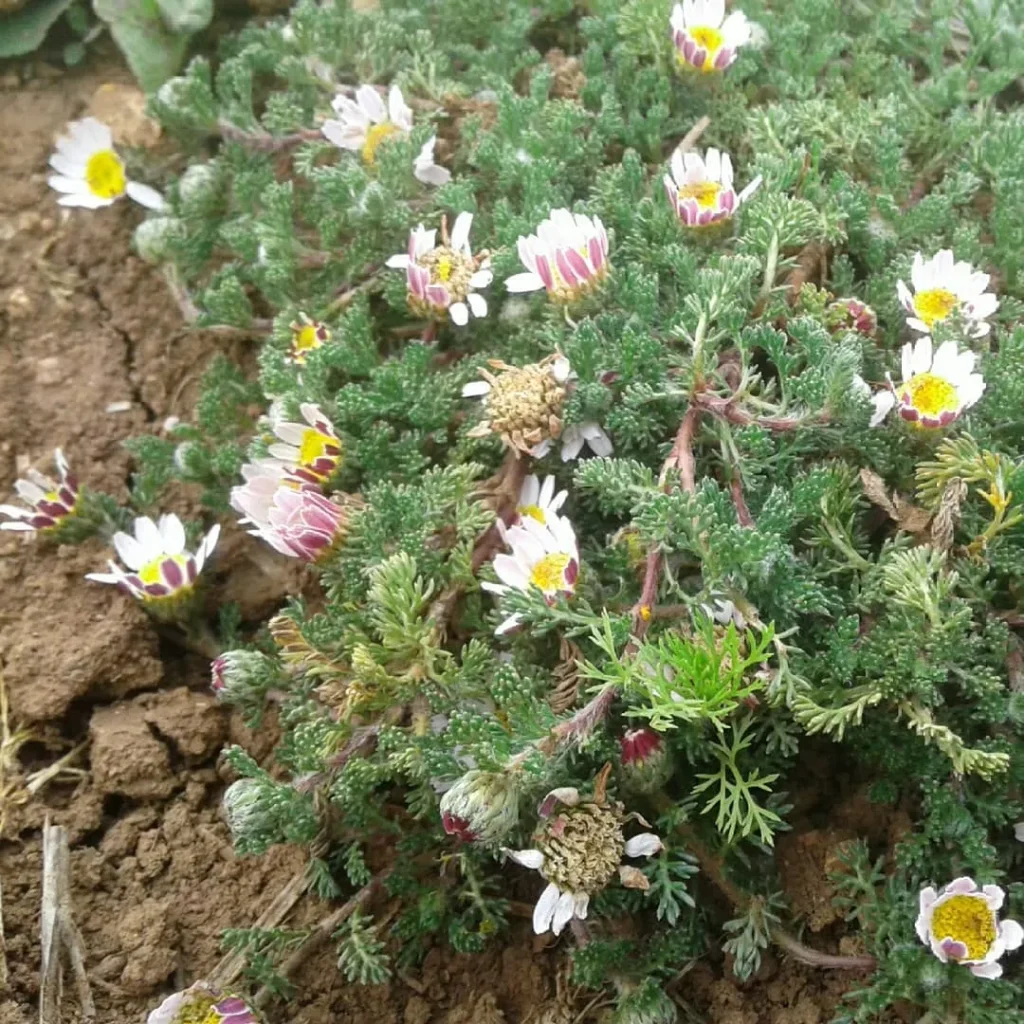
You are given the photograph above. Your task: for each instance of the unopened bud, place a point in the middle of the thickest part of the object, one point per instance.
(242, 807)
(851, 315)
(932, 976)
(155, 237)
(239, 677)
(199, 189)
(644, 762)
(481, 807)
(646, 1004)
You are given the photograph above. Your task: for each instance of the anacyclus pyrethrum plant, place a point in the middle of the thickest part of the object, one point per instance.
(643, 385)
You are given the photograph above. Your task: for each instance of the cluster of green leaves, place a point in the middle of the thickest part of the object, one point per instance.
(879, 131)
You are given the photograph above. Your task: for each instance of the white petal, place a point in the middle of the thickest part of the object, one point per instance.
(545, 909)
(145, 196)
(903, 293)
(528, 858)
(1012, 934)
(750, 189)
(129, 550)
(582, 905)
(345, 136)
(564, 910)
(572, 443)
(964, 884)
(431, 174)
(647, 844)
(103, 577)
(883, 402)
(507, 625)
(369, 100)
(481, 279)
(713, 163)
(528, 282)
(398, 262)
(990, 970)
(1018, 831)
(921, 359)
(459, 314)
(475, 388)
(994, 896)
(17, 526)
(172, 535)
(478, 304)
(398, 110)
(460, 232)
(597, 439)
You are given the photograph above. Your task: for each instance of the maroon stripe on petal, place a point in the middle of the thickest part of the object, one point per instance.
(723, 59)
(51, 508)
(689, 49)
(67, 496)
(155, 590)
(191, 571)
(572, 571)
(544, 271)
(909, 413)
(566, 269)
(41, 522)
(172, 574)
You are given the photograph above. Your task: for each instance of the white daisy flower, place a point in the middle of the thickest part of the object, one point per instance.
(578, 850)
(705, 39)
(89, 171)
(538, 501)
(936, 389)
(159, 567)
(962, 924)
(307, 335)
(700, 188)
(309, 453)
(568, 256)
(942, 288)
(362, 125)
(545, 557)
(49, 502)
(442, 279)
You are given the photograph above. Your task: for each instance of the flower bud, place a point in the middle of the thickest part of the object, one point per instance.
(241, 804)
(481, 807)
(238, 677)
(647, 1004)
(155, 237)
(644, 761)
(852, 315)
(933, 976)
(199, 189)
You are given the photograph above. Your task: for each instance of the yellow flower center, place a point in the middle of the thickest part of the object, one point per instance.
(444, 268)
(931, 395)
(968, 920)
(201, 1012)
(306, 339)
(150, 572)
(104, 174)
(533, 512)
(375, 135)
(710, 40)
(314, 446)
(934, 305)
(705, 192)
(548, 574)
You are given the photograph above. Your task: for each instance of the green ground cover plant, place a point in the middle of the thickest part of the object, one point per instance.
(644, 386)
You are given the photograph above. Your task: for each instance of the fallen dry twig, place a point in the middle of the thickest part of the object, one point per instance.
(60, 937)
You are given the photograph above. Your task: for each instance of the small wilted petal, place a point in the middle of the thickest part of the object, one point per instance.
(633, 878)
(647, 844)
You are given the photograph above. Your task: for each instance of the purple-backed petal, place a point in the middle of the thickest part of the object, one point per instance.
(689, 212)
(191, 570)
(55, 509)
(705, 217)
(700, 55)
(41, 522)
(171, 573)
(578, 264)
(66, 495)
(155, 590)
(544, 271)
(565, 268)
(724, 58)
(953, 949)
(572, 571)
(596, 251)
(909, 413)
(689, 49)
(437, 295)
(727, 200)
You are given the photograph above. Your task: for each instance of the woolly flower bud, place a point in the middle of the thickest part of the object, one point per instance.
(155, 236)
(241, 804)
(199, 187)
(238, 676)
(644, 762)
(648, 1004)
(481, 807)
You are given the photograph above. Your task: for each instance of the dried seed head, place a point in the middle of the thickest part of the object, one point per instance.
(525, 404)
(582, 846)
(481, 807)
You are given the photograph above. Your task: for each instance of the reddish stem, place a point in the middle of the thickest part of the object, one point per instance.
(743, 515)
